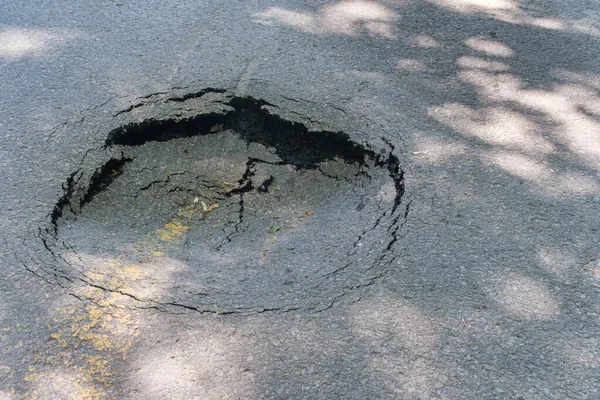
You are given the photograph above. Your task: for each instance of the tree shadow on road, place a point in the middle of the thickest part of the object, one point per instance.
(495, 106)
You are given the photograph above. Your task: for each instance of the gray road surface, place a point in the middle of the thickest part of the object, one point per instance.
(325, 200)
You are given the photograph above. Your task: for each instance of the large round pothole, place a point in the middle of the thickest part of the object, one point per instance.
(224, 206)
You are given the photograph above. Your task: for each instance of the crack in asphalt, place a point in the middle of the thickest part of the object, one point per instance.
(293, 143)
(103, 177)
(59, 274)
(156, 182)
(245, 185)
(65, 199)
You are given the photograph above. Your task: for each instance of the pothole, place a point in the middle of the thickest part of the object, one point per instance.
(222, 205)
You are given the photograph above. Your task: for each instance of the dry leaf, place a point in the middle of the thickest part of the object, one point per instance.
(212, 207)
(308, 213)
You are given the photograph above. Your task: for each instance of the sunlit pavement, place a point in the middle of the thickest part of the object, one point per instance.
(460, 260)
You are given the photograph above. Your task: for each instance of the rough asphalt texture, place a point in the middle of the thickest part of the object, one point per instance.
(490, 289)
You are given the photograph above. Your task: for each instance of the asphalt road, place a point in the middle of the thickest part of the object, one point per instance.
(314, 200)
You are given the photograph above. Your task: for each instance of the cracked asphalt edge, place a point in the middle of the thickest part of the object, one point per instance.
(160, 111)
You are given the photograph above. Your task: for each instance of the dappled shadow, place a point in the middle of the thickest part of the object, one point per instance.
(21, 43)
(494, 292)
(346, 17)
(217, 219)
(546, 15)
(501, 102)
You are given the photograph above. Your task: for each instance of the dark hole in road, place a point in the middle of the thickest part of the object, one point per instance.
(293, 142)
(230, 208)
(103, 177)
